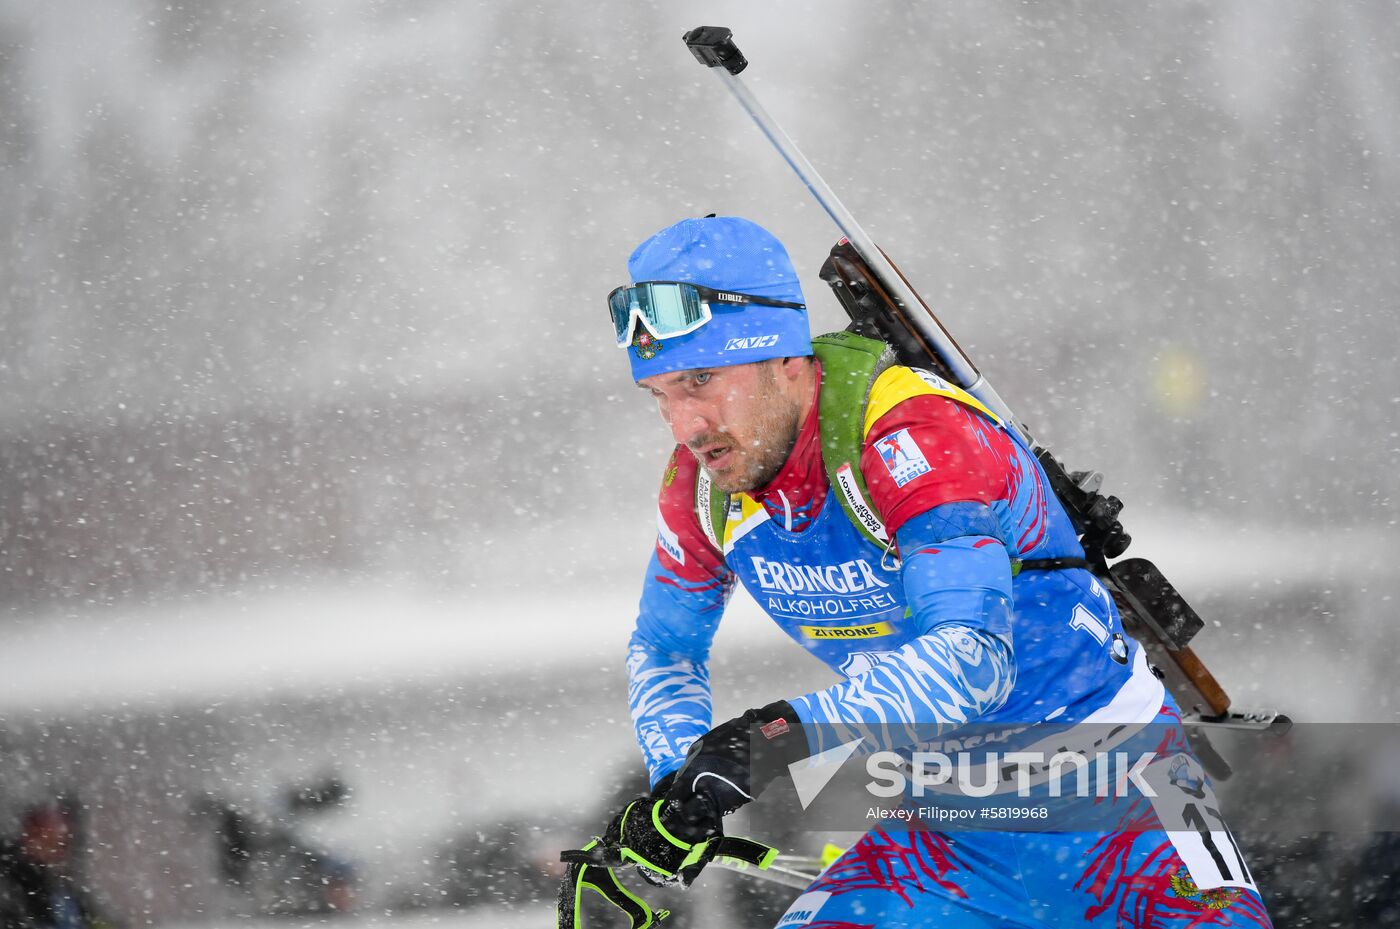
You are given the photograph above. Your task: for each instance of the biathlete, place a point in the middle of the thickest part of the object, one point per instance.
(897, 530)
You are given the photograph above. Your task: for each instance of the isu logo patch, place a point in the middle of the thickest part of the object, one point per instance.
(902, 456)
(645, 344)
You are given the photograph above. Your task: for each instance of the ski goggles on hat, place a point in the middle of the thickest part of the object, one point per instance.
(673, 308)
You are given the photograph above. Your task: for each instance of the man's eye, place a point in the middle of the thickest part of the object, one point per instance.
(702, 379)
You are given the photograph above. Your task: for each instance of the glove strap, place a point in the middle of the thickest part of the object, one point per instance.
(742, 849)
(699, 854)
(602, 881)
(587, 870)
(725, 846)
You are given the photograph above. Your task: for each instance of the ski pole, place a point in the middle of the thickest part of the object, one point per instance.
(789, 870)
(713, 46)
(774, 874)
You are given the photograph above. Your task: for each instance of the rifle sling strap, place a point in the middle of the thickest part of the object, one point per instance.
(1048, 564)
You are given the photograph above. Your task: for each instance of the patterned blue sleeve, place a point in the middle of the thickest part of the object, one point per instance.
(956, 568)
(668, 677)
(957, 580)
(932, 685)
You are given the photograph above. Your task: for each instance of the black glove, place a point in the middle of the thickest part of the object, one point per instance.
(672, 834)
(733, 763)
(651, 834)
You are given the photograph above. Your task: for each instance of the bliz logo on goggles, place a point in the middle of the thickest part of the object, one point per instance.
(668, 309)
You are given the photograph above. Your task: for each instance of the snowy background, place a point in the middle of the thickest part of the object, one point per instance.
(318, 460)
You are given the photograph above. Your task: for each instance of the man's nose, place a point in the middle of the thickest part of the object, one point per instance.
(687, 422)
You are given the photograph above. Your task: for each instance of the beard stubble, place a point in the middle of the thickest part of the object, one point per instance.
(767, 439)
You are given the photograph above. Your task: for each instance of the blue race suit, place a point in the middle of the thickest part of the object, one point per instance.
(945, 635)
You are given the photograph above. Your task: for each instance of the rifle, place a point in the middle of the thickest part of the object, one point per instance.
(882, 304)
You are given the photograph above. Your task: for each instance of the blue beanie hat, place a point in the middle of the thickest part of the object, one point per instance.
(730, 254)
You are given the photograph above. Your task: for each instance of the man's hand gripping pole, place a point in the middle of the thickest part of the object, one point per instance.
(667, 844)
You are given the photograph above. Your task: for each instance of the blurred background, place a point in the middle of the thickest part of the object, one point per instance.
(326, 497)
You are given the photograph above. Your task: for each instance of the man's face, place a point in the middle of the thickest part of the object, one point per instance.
(740, 421)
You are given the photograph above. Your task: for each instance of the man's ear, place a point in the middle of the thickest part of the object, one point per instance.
(794, 367)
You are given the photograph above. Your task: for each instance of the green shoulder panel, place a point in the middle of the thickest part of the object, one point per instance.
(850, 365)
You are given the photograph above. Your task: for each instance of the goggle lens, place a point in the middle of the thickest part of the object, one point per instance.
(670, 308)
